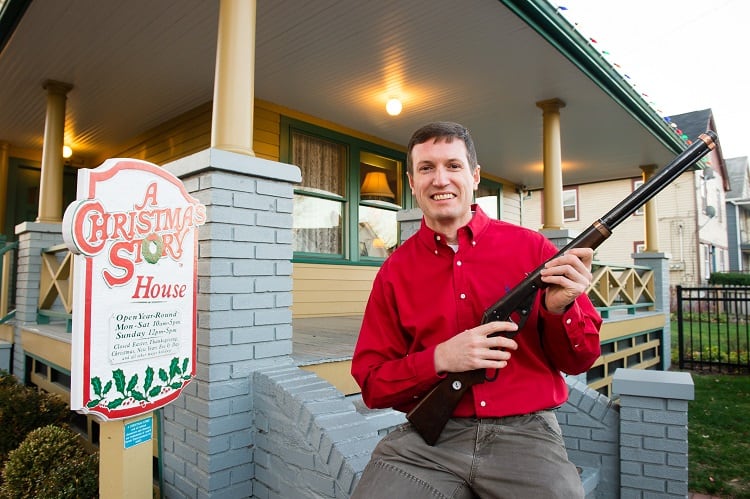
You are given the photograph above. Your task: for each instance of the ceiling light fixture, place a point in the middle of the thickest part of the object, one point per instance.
(67, 152)
(393, 107)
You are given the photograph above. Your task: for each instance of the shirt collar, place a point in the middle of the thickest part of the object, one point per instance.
(473, 229)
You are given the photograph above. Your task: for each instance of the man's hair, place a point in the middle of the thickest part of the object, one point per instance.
(442, 130)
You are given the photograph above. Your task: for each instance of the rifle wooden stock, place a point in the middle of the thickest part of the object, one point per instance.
(431, 414)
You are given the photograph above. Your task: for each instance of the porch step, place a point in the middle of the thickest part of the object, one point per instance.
(382, 419)
(590, 480)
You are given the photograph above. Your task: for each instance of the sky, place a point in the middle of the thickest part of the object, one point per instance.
(685, 55)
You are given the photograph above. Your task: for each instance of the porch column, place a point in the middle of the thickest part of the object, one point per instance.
(4, 147)
(649, 214)
(552, 157)
(234, 86)
(51, 184)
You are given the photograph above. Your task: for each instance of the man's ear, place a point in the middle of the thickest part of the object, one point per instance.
(476, 177)
(411, 182)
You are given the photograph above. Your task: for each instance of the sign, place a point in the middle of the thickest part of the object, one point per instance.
(138, 432)
(133, 229)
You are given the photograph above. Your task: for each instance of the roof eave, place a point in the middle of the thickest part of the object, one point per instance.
(548, 23)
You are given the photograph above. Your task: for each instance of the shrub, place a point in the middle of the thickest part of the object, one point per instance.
(24, 408)
(730, 278)
(51, 463)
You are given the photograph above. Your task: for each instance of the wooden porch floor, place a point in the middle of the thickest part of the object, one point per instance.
(324, 339)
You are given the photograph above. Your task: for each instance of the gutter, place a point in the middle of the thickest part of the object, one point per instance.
(543, 18)
(11, 12)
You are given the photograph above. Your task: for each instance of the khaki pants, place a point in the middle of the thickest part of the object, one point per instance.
(514, 457)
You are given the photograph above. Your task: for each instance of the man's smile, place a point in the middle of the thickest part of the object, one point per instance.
(442, 196)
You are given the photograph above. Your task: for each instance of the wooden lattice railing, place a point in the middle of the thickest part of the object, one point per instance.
(56, 285)
(619, 287)
(6, 267)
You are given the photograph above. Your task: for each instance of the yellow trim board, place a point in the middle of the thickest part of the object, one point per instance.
(618, 329)
(336, 373)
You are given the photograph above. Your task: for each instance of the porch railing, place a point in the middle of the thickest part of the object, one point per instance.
(56, 286)
(621, 287)
(6, 292)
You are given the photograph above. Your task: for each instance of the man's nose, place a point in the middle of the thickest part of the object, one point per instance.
(441, 176)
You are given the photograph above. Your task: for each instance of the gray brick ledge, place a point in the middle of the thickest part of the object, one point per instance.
(655, 384)
(52, 228)
(217, 159)
(352, 438)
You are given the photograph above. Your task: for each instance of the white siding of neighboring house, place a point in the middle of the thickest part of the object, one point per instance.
(680, 213)
(510, 206)
(594, 201)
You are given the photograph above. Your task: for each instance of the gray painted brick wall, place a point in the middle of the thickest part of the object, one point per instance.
(33, 237)
(659, 264)
(653, 432)
(244, 320)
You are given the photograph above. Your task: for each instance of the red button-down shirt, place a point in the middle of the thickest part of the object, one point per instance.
(425, 293)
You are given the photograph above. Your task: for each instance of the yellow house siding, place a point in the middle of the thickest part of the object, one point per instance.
(321, 290)
(191, 132)
(175, 139)
(266, 132)
(318, 290)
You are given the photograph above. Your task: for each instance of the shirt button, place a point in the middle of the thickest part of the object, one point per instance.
(483, 403)
(568, 321)
(436, 252)
(463, 296)
(458, 263)
(437, 238)
(473, 243)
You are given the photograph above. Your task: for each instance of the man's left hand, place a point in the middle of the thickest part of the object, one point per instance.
(568, 277)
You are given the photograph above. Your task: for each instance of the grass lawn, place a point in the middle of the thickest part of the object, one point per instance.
(719, 435)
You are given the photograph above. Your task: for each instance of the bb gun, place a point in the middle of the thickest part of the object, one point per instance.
(432, 412)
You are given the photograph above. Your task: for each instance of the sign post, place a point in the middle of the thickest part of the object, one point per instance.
(133, 229)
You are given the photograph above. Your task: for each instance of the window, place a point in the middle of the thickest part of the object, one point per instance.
(319, 201)
(345, 206)
(378, 193)
(636, 184)
(488, 196)
(570, 204)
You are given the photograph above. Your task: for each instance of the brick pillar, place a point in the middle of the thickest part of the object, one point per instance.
(244, 319)
(409, 223)
(659, 263)
(653, 432)
(559, 237)
(33, 237)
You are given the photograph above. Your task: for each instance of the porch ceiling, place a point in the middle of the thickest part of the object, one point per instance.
(138, 63)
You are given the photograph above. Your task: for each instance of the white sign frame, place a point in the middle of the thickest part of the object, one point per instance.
(134, 232)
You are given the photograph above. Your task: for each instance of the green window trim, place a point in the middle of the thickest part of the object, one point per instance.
(351, 201)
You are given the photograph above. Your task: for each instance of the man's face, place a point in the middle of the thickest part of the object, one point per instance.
(443, 184)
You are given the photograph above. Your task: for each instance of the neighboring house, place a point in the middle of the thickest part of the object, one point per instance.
(281, 131)
(692, 223)
(738, 214)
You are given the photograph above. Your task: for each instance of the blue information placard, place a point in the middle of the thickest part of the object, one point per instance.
(138, 432)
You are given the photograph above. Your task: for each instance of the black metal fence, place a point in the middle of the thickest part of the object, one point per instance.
(713, 328)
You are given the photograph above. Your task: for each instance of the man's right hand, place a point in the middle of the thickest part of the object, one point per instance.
(474, 349)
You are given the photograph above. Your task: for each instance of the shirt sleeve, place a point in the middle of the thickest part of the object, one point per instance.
(385, 365)
(571, 340)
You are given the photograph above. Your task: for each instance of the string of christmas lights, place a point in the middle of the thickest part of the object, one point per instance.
(565, 14)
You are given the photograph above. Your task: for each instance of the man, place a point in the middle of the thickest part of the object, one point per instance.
(422, 320)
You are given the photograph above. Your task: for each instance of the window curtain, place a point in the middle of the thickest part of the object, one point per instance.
(317, 222)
